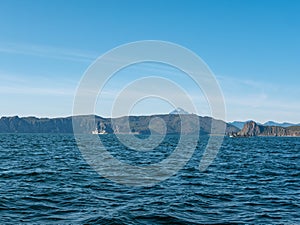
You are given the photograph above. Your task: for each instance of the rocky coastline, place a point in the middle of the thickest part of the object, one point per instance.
(252, 129)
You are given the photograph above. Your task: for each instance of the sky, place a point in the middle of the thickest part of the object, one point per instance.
(252, 47)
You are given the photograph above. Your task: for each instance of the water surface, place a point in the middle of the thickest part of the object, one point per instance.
(44, 179)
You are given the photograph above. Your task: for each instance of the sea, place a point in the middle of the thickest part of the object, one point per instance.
(45, 179)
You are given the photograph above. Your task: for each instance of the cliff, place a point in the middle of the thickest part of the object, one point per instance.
(251, 128)
(88, 123)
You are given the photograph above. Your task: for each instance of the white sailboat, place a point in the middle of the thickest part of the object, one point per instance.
(101, 130)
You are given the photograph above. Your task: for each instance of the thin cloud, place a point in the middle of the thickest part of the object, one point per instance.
(47, 52)
(12, 84)
(36, 91)
(248, 99)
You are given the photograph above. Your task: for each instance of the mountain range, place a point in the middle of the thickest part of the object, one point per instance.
(176, 122)
(88, 123)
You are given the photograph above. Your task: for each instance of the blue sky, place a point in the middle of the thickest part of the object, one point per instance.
(253, 48)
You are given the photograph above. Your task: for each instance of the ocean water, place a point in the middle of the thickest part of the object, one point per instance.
(45, 179)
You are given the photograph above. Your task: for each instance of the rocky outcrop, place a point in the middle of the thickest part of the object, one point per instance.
(251, 128)
(293, 131)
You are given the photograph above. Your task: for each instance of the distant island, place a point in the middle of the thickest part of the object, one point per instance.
(89, 124)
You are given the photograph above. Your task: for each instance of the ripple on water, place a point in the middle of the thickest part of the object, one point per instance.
(44, 179)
